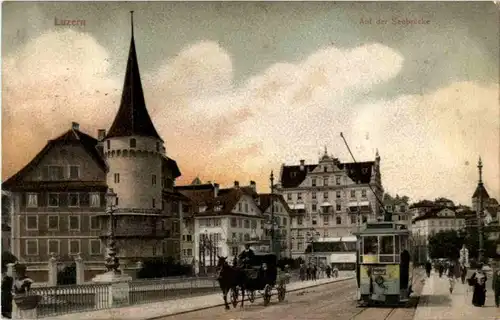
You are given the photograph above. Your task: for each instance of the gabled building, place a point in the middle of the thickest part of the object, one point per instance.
(328, 197)
(59, 199)
(398, 207)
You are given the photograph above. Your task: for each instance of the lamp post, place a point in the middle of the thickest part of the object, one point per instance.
(311, 237)
(480, 212)
(272, 213)
(112, 263)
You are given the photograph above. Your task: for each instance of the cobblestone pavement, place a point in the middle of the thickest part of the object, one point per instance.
(332, 301)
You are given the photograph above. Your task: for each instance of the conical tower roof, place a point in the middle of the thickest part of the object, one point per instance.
(132, 118)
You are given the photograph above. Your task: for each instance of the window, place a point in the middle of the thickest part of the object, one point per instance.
(31, 222)
(313, 195)
(254, 224)
(299, 196)
(313, 182)
(240, 207)
(247, 224)
(337, 180)
(300, 221)
(284, 221)
(56, 173)
(53, 200)
(337, 194)
(326, 220)
(32, 200)
(246, 207)
(353, 219)
(300, 246)
(53, 222)
(235, 251)
(338, 207)
(338, 220)
(31, 248)
(95, 200)
(364, 219)
(387, 245)
(74, 223)
(116, 201)
(363, 193)
(325, 169)
(325, 181)
(108, 144)
(133, 143)
(74, 200)
(314, 221)
(313, 208)
(117, 177)
(240, 223)
(54, 247)
(234, 223)
(370, 245)
(325, 195)
(289, 196)
(353, 193)
(153, 179)
(74, 246)
(95, 223)
(74, 172)
(95, 247)
(153, 203)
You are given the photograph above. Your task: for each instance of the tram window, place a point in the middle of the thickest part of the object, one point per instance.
(387, 245)
(370, 245)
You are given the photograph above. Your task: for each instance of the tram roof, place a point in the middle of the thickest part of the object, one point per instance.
(383, 228)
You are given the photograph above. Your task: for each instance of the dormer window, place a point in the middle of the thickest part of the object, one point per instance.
(133, 143)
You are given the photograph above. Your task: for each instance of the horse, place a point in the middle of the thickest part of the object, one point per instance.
(230, 278)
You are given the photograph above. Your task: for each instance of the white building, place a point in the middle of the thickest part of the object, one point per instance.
(329, 198)
(281, 212)
(433, 221)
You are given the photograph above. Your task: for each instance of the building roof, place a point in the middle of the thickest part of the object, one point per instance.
(172, 165)
(293, 176)
(265, 201)
(132, 118)
(225, 203)
(71, 136)
(480, 190)
(433, 214)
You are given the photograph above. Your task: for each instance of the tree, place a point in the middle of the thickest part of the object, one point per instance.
(445, 244)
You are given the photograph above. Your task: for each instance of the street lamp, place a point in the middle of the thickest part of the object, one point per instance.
(311, 237)
(112, 263)
(272, 213)
(480, 212)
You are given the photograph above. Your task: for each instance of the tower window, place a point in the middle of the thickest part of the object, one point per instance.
(108, 144)
(133, 143)
(154, 203)
(153, 179)
(116, 201)
(117, 178)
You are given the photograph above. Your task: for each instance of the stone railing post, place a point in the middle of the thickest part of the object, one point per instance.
(11, 271)
(80, 269)
(52, 270)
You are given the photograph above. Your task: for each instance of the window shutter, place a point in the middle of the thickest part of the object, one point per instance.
(84, 199)
(63, 199)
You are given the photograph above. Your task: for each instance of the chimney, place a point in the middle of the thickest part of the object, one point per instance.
(253, 185)
(302, 164)
(216, 190)
(236, 184)
(101, 134)
(75, 126)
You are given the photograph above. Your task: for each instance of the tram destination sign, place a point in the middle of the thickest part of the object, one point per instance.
(379, 271)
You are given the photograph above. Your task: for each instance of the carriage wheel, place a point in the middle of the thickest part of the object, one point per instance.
(281, 293)
(267, 294)
(234, 297)
(251, 296)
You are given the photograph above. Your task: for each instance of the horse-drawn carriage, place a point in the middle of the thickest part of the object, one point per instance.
(263, 276)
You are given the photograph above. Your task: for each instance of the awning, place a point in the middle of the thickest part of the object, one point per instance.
(326, 204)
(298, 206)
(360, 204)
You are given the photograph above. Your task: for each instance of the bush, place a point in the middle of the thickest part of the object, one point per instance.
(162, 268)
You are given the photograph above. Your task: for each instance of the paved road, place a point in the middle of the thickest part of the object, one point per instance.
(332, 301)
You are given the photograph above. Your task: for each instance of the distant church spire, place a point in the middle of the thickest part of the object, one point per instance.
(132, 118)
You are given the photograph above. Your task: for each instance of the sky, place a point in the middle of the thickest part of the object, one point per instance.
(237, 89)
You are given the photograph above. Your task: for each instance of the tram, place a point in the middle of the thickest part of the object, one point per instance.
(384, 272)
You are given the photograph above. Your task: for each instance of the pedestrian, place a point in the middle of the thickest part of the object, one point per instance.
(451, 276)
(478, 283)
(328, 271)
(496, 284)
(428, 268)
(440, 269)
(7, 284)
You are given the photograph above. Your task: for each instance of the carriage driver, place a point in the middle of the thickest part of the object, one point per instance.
(246, 256)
